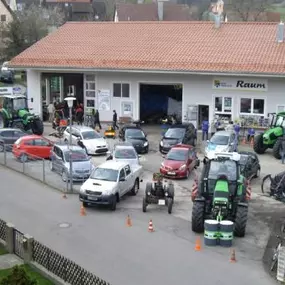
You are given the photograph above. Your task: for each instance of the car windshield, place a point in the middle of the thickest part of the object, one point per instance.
(20, 104)
(177, 154)
(220, 140)
(175, 133)
(227, 167)
(76, 155)
(90, 135)
(125, 154)
(104, 174)
(243, 159)
(134, 134)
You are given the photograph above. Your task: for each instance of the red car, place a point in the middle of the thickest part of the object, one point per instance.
(33, 147)
(179, 162)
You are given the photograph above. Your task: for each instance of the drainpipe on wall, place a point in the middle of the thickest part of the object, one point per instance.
(160, 10)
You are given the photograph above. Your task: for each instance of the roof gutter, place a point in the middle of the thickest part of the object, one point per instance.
(149, 71)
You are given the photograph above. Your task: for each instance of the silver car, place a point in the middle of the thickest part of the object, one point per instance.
(60, 162)
(124, 152)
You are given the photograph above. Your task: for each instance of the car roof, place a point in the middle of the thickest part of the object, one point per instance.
(132, 127)
(112, 164)
(124, 145)
(223, 133)
(182, 146)
(11, 129)
(82, 128)
(32, 137)
(66, 147)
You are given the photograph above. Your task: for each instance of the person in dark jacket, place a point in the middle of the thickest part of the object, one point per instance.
(205, 129)
(97, 120)
(115, 119)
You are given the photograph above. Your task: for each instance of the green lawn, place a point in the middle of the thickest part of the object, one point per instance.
(33, 274)
(3, 250)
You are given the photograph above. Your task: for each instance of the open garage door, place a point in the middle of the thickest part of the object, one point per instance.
(157, 101)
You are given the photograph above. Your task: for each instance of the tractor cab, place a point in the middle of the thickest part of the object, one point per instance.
(277, 120)
(14, 103)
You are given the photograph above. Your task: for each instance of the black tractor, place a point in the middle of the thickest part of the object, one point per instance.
(15, 114)
(221, 193)
(158, 193)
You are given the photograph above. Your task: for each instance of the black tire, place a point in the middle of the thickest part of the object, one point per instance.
(113, 204)
(148, 188)
(144, 205)
(135, 188)
(38, 127)
(85, 205)
(198, 217)
(240, 221)
(267, 177)
(169, 205)
(258, 146)
(276, 149)
(170, 190)
(3, 121)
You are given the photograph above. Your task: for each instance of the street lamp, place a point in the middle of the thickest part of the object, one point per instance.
(69, 100)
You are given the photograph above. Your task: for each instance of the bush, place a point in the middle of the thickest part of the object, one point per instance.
(18, 276)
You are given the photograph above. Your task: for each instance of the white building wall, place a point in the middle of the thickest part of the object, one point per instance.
(34, 91)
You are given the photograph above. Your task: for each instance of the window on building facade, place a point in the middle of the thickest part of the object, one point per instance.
(252, 106)
(90, 91)
(223, 104)
(3, 18)
(121, 90)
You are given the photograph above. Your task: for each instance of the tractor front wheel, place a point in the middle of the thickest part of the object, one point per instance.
(198, 217)
(277, 149)
(38, 127)
(240, 221)
(258, 145)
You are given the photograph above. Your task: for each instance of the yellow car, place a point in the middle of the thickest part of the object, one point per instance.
(110, 132)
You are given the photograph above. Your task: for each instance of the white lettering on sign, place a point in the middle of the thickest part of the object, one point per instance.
(240, 84)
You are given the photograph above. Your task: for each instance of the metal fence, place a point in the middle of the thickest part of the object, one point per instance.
(55, 263)
(51, 173)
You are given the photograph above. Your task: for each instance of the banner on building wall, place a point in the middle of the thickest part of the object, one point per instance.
(127, 109)
(241, 84)
(104, 100)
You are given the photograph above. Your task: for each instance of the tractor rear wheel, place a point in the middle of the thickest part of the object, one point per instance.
(258, 145)
(277, 149)
(198, 217)
(38, 127)
(240, 221)
(169, 205)
(3, 123)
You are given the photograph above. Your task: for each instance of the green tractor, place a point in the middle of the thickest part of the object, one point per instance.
(270, 138)
(15, 114)
(221, 193)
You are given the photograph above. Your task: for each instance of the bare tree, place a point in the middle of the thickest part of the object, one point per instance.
(27, 27)
(248, 10)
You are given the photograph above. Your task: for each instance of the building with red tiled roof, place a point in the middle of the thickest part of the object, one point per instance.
(225, 69)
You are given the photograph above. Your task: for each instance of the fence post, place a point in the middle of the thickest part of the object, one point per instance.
(44, 171)
(10, 237)
(28, 248)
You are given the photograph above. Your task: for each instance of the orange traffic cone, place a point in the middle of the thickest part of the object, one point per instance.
(82, 211)
(129, 221)
(233, 256)
(198, 244)
(150, 226)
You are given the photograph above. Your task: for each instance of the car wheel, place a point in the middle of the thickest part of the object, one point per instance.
(1, 147)
(113, 204)
(64, 176)
(51, 166)
(23, 158)
(135, 188)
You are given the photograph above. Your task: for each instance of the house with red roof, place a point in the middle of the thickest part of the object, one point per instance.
(140, 68)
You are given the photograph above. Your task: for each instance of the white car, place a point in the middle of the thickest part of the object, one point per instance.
(109, 182)
(87, 138)
(221, 141)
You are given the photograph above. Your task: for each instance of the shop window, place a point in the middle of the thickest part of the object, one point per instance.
(121, 90)
(90, 91)
(223, 104)
(252, 106)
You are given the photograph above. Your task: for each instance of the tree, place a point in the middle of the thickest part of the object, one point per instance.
(28, 27)
(248, 10)
(18, 276)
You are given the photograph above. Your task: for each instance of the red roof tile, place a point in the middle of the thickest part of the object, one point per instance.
(246, 47)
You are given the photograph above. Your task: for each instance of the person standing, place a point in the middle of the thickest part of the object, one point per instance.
(205, 129)
(51, 110)
(97, 120)
(115, 119)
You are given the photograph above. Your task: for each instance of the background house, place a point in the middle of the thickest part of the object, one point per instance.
(6, 14)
